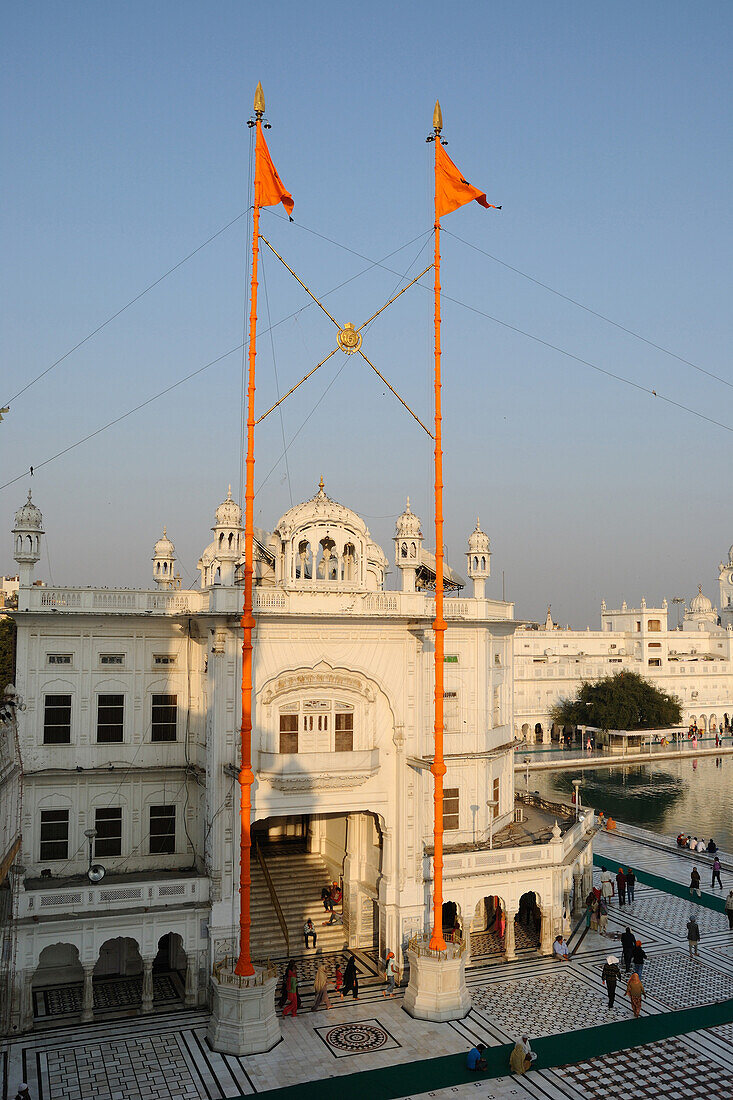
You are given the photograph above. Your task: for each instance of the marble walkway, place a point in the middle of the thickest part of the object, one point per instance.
(166, 1056)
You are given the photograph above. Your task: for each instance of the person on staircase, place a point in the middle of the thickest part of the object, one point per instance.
(309, 929)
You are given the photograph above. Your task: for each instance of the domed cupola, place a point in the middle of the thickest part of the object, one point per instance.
(27, 532)
(408, 544)
(479, 559)
(701, 611)
(228, 542)
(164, 559)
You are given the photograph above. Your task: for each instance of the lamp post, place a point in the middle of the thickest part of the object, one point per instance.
(576, 785)
(526, 763)
(491, 803)
(95, 871)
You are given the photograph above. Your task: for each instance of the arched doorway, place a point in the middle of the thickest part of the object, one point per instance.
(528, 923)
(451, 918)
(538, 733)
(525, 731)
(58, 982)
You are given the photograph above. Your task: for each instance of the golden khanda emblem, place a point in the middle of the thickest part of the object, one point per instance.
(349, 339)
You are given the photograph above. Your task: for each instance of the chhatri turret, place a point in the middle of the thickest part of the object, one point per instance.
(479, 559)
(407, 547)
(164, 560)
(27, 539)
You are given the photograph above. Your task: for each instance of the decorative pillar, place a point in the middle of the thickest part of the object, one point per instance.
(25, 1009)
(509, 943)
(567, 923)
(147, 1005)
(587, 881)
(192, 977)
(578, 895)
(546, 932)
(87, 1001)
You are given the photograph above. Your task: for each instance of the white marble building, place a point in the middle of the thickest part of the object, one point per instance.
(132, 730)
(693, 660)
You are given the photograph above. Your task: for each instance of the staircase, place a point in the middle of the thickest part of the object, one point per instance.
(298, 877)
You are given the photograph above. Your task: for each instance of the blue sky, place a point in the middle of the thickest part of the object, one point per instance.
(603, 130)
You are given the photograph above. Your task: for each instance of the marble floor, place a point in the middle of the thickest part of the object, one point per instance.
(166, 1056)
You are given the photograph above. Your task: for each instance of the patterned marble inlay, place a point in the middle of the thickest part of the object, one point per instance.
(361, 1037)
(668, 1069)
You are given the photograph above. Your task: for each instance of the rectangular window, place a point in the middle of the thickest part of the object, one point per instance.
(654, 624)
(108, 823)
(288, 733)
(164, 659)
(450, 809)
(451, 712)
(162, 830)
(57, 720)
(495, 796)
(655, 661)
(111, 658)
(54, 834)
(344, 732)
(655, 645)
(165, 713)
(110, 714)
(58, 658)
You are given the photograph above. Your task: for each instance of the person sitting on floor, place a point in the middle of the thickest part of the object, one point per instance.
(522, 1057)
(560, 950)
(475, 1058)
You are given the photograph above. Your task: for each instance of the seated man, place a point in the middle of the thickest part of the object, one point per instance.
(475, 1060)
(309, 929)
(560, 950)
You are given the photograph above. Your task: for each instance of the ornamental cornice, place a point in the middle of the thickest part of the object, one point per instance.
(318, 781)
(317, 678)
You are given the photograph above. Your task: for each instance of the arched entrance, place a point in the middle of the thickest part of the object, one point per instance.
(538, 736)
(58, 982)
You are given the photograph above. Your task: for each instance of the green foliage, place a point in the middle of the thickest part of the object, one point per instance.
(625, 701)
(7, 652)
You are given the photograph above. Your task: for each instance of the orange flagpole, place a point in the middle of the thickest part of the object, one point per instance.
(246, 778)
(437, 942)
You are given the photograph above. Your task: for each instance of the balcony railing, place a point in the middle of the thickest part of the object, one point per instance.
(54, 899)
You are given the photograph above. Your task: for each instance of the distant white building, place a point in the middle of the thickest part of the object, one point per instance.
(693, 661)
(132, 731)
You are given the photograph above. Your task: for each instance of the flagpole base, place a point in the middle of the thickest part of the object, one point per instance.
(243, 1019)
(437, 988)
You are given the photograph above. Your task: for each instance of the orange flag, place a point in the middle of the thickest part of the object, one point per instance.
(271, 187)
(451, 189)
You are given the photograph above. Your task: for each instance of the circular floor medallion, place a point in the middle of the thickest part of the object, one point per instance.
(357, 1037)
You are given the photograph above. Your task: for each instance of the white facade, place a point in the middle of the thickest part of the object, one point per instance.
(132, 728)
(693, 661)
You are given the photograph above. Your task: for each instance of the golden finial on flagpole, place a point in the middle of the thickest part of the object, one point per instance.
(259, 103)
(437, 117)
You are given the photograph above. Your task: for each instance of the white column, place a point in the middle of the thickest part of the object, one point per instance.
(26, 1015)
(147, 1005)
(509, 944)
(87, 1003)
(578, 895)
(192, 977)
(546, 934)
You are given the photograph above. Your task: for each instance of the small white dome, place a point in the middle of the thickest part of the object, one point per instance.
(164, 548)
(730, 556)
(699, 602)
(28, 518)
(229, 514)
(408, 524)
(478, 540)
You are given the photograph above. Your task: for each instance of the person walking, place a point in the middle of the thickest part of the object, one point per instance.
(693, 935)
(716, 873)
(635, 991)
(602, 916)
(621, 886)
(638, 958)
(606, 885)
(729, 909)
(351, 980)
(628, 943)
(309, 929)
(630, 880)
(291, 1008)
(320, 985)
(611, 976)
(695, 882)
(390, 974)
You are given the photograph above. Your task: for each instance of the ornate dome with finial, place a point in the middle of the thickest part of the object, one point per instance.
(164, 547)
(29, 517)
(478, 540)
(229, 514)
(408, 524)
(700, 603)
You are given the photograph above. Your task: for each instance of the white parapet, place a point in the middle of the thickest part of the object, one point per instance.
(243, 1019)
(437, 988)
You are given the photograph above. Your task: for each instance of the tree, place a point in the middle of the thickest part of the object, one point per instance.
(625, 701)
(7, 652)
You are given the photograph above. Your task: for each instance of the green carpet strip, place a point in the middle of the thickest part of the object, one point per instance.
(413, 1078)
(666, 885)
